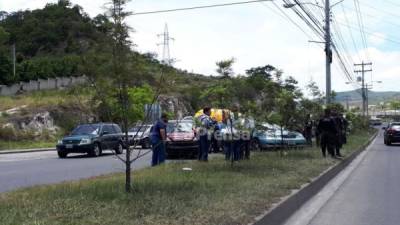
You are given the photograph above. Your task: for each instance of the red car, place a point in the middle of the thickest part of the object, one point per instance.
(181, 139)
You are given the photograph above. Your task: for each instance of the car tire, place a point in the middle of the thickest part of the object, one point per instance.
(62, 155)
(389, 143)
(96, 152)
(119, 149)
(146, 144)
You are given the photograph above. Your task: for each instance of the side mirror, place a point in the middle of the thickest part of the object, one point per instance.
(105, 133)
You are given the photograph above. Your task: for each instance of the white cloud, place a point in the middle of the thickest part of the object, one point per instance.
(253, 34)
(377, 38)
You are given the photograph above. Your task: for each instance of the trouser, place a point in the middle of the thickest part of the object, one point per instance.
(232, 150)
(204, 146)
(158, 153)
(246, 149)
(327, 143)
(338, 144)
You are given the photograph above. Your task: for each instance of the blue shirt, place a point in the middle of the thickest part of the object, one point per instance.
(155, 132)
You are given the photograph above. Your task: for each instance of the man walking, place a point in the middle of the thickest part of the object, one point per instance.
(158, 138)
(206, 125)
(328, 132)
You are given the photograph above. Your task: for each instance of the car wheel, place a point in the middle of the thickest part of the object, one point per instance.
(389, 143)
(96, 152)
(120, 149)
(62, 155)
(146, 144)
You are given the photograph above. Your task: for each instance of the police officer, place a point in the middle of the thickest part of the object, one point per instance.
(327, 131)
(158, 138)
(207, 125)
(339, 136)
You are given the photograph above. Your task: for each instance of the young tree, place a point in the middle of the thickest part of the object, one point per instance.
(121, 53)
(224, 67)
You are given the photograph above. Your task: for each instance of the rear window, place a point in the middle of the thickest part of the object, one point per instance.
(179, 127)
(395, 127)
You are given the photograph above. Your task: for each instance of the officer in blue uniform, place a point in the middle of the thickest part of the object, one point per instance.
(207, 125)
(158, 138)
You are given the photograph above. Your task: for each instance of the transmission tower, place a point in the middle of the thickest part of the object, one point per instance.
(166, 57)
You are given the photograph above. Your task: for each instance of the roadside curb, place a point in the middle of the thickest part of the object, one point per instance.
(282, 210)
(26, 151)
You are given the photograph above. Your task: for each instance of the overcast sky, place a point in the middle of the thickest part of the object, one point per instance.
(258, 34)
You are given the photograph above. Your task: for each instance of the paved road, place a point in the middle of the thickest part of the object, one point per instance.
(29, 169)
(368, 195)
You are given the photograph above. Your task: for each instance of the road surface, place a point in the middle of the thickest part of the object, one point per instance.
(29, 169)
(366, 193)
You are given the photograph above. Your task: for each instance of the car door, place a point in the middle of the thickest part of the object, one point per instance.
(117, 135)
(106, 136)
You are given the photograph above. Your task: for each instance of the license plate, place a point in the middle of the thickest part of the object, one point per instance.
(69, 146)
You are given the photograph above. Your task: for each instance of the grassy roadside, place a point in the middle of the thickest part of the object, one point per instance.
(17, 145)
(213, 193)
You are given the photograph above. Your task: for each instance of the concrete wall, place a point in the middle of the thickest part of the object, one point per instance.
(41, 84)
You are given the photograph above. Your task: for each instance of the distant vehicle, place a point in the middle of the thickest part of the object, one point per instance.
(267, 138)
(181, 139)
(392, 133)
(140, 135)
(92, 139)
(375, 122)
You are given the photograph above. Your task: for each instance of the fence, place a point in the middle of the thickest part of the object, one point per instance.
(41, 84)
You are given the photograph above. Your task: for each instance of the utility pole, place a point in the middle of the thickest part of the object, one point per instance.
(328, 51)
(166, 59)
(347, 97)
(363, 88)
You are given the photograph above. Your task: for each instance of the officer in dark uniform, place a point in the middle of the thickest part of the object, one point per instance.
(339, 136)
(328, 131)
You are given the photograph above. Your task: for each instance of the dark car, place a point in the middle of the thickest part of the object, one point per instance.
(181, 139)
(92, 139)
(392, 133)
(140, 135)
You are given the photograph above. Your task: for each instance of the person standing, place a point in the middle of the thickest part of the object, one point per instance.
(206, 126)
(327, 131)
(158, 138)
(308, 126)
(339, 136)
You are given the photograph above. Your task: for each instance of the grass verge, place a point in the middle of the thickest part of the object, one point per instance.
(213, 193)
(18, 145)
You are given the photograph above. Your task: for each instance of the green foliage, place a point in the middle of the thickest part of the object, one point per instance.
(224, 67)
(139, 97)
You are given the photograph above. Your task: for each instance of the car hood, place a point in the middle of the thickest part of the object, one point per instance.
(77, 137)
(181, 136)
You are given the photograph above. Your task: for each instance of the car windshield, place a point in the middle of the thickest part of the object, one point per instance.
(179, 127)
(139, 129)
(86, 130)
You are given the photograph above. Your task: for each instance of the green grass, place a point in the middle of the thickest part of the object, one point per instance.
(213, 193)
(16, 145)
(39, 99)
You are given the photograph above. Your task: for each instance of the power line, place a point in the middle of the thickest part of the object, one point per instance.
(361, 25)
(371, 33)
(351, 33)
(198, 7)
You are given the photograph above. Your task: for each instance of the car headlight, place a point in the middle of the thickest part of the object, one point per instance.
(59, 142)
(85, 141)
